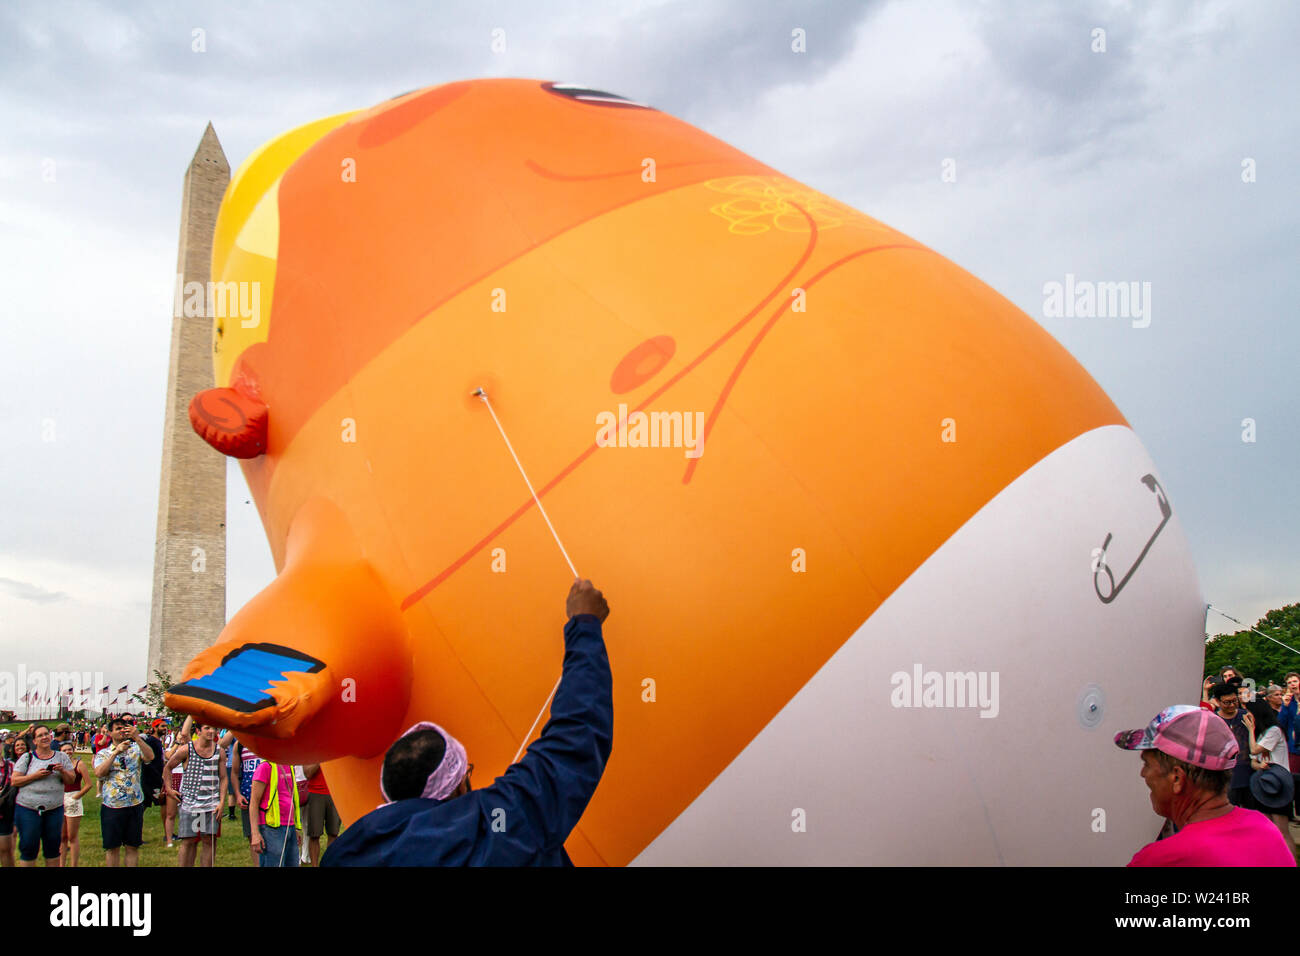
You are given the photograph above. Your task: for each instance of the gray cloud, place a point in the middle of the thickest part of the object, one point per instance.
(26, 591)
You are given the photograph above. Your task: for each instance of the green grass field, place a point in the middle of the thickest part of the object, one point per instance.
(231, 847)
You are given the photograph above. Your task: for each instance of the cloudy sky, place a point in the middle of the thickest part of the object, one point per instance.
(1122, 165)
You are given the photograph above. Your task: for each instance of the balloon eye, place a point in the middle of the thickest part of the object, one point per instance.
(642, 363)
(583, 94)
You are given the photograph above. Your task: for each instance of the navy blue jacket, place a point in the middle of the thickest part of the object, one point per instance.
(525, 816)
(1286, 719)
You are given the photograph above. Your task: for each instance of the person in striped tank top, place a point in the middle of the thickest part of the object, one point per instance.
(202, 793)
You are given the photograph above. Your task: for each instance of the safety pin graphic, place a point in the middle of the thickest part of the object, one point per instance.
(1166, 511)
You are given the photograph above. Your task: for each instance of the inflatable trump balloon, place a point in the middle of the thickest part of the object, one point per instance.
(887, 569)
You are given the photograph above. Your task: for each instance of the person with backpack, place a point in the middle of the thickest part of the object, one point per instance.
(40, 777)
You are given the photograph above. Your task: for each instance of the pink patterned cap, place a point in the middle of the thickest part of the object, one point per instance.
(1187, 733)
(446, 777)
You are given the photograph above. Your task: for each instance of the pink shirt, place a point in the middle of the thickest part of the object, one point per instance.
(284, 791)
(1239, 838)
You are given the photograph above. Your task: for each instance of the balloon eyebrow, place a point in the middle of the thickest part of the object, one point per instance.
(641, 364)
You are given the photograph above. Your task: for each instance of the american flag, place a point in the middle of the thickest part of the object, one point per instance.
(105, 690)
(124, 688)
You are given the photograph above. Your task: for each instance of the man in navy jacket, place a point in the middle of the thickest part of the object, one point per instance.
(1288, 718)
(525, 816)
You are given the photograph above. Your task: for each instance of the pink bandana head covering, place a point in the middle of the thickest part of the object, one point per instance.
(446, 777)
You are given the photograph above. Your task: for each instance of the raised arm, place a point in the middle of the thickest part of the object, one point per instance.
(102, 767)
(146, 752)
(545, 794)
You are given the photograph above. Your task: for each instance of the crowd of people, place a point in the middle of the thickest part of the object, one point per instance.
(195, 775)
(1223, 774)
(1265, 727)
(431, 813)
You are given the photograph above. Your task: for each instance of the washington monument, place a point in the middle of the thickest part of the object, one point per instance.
(189, 563)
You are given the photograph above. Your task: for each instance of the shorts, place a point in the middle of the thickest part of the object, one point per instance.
(72, 806)
(321, 816)
(192, 824)
(122, 826)
(37, 831)
(6, 826)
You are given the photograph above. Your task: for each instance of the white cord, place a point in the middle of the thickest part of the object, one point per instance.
(524, 742)
(284, 845)
(1249, 628)
(482, 393)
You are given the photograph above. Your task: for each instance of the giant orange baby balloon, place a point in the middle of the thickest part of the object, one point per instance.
(887, 568)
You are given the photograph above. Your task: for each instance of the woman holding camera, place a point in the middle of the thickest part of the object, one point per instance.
(40, 777)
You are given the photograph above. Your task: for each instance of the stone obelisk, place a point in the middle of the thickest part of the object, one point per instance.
(189, 563)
